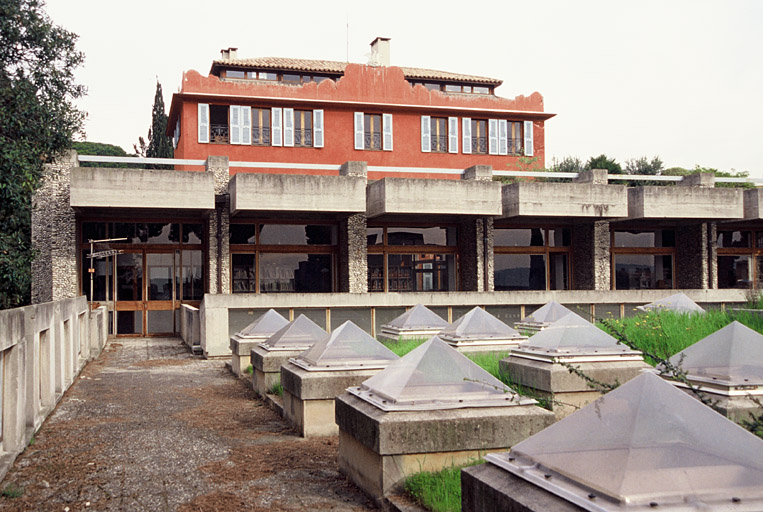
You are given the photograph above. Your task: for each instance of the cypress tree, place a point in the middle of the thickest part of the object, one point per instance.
(159, 145)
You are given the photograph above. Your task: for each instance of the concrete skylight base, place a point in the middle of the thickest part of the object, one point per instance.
(378, 449)
(240, 349)
(567, 391)
(267, 367)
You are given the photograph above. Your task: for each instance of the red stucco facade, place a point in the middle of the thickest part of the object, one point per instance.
(363, 88)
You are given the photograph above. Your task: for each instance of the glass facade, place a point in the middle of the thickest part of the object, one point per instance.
(532, 258)
(740, 258)
(643, 259)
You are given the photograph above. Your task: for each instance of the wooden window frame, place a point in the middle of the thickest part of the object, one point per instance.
(648, 251)
(754, 252)
(534, 250)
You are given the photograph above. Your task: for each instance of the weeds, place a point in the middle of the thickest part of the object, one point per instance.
(400, 348)
(276, 389)
(249, 370)
(438, 491)
(12, 491)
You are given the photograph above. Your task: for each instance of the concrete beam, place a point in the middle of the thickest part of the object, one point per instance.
(753, 204)
(533, 199)
(141, 188)
(700, 203)
(297, 193)
(398, 196)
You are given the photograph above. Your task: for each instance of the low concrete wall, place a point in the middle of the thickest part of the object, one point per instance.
(394, 196)
(189, 326)
(42, 350)
(222, 315)
(697, 203)
(569, 200)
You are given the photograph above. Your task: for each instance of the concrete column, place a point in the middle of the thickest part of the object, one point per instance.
(704, 180)
(712, 251)
(471, 249)
(592, 176)
(692, 257)
(591, 262)
(353, 263)
(218, 252)
(54, 271)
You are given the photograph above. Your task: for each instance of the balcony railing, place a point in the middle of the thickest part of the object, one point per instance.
(261, 136)
(479, 144)
(303, 137)
(218, 134)
(440, 143)
(372, 141)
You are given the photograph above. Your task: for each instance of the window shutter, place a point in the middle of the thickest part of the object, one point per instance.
(288, 127)
(492, 142)
(176, 135)
(466, 127)
(203, 123)
(503, 143)
(235, 124)
(452, 135)
(359, 135)
(528, 138)
(426, 134)
(387, 132)
(317, 128)
(246, 125)
(276, 133)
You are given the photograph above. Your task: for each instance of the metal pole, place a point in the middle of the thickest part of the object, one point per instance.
(92, 271)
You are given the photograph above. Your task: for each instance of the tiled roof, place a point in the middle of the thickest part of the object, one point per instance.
(336, 67)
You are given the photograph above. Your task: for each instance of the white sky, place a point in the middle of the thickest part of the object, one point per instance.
(682, 80)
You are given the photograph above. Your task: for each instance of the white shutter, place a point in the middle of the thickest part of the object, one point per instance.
(492, 142)
(359, 131)
(176, 135)
(503, 143)
(387, 132)
(235, 124)
(317, 128)
(528, 138)
(246, 125)
(452, 135)
(466, 128)
(276, 133)
(288, 127)
(426, 134)
(203, 123)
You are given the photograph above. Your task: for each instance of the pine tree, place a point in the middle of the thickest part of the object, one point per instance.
(159, 144)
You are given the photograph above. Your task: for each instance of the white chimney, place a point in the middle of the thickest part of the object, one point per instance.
(379, 52)
(229, 54)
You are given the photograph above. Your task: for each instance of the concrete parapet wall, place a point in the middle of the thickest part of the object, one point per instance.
(190, 326)
(42, 350)
(564, 200)
(393, 196)
(697, 203)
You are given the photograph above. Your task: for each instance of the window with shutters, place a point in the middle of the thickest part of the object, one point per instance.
(515, 137)
(303, 128)
(372, 131)
(218, 124)
(479, 136)
(261, 126)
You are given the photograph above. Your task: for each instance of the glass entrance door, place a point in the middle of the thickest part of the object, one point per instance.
(145, 284)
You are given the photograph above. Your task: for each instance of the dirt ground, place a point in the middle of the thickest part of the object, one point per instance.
(149, 427)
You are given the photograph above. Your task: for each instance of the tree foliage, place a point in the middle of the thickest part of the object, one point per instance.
(37, 121)
(100, 149)
(653, 167)
(568, 164)
(159, 145)
(604, 162)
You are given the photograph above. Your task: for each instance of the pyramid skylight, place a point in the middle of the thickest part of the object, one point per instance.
(435, 376)
(643, 446)
(543, 317)
(573, 338)
(729, 361)
(347, 348)
(679, 303)
(264, 327)
(300, 334)
(417, 321)
(479, 327)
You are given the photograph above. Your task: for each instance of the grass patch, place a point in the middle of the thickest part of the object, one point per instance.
(249, 370)
(665, 333)
(438, 491)
(276, 389)
(400, 348)
(489, 361)
(12, 491)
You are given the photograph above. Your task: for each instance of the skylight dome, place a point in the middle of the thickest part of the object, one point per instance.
(573, 338)
(264, 327)
(300, 334)
(543, 317)
(644, 445)
(417, 321)
(435, 376)
(730, 358)
(479, 326)
(679, 303)
(347, 348)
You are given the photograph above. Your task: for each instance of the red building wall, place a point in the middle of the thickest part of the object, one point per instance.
(362, 89)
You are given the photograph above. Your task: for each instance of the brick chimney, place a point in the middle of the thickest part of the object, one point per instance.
(380, 52)
(229, 54)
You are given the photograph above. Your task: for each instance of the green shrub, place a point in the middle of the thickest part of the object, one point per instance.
(438, 491)
(276, 389)
(12, 491)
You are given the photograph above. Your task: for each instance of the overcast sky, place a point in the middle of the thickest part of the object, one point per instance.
(682, 80)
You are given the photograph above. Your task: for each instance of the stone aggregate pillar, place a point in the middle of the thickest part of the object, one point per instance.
(352, 266)
(692, 256)
(591, 261)
(218, 251)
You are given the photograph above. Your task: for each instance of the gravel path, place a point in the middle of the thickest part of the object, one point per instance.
(149, 427)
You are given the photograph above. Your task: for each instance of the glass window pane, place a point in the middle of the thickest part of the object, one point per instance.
(291, 78)
(309, 273)
(129, 322)
(242, 234)
(375, 272)
(160, 270)
(160, 321)
(193, 233)
(93, 231)
(243, 273)
(192, 275)
(135, 233)
(558, 272)
(375, 236)
(129, 276)
(432, 87)
(734, 238)
(421, 272)
(163, 233)
(734, 272)
(445, 236)
(643, 271)
(234, 74)
(101, 277)
(559, 237)
(452, 88)
(481, 90)
(531, 237)
(520, 272)
(657, 238)
(298, 234)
